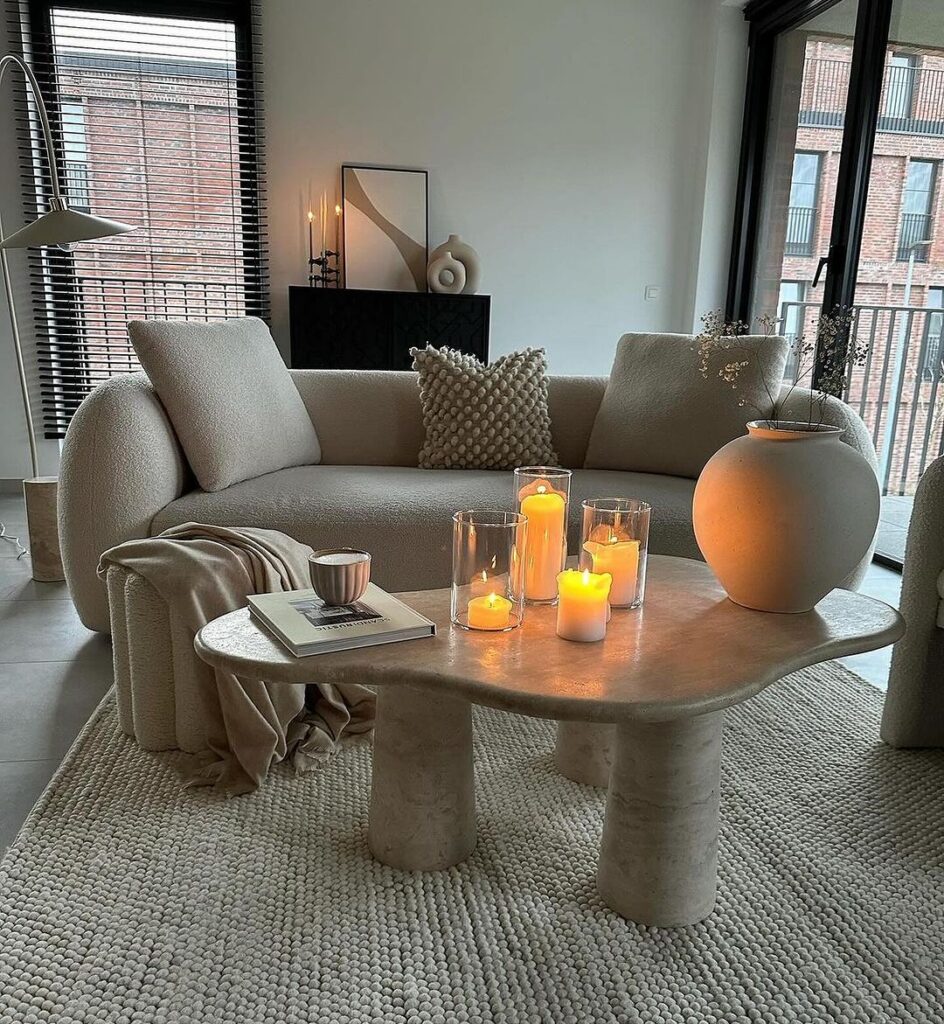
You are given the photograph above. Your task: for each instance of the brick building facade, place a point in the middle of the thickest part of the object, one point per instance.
(155, 145)
(905, 206)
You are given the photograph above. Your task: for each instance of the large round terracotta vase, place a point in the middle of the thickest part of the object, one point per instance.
(784, 514)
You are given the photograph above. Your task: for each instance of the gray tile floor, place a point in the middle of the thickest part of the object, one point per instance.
(893, 525)
(53, 672)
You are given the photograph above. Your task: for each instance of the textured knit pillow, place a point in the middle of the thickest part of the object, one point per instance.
(483, 417)
(231, 399)
(660, 414)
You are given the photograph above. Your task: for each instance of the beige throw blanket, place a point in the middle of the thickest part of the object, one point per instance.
(204, 571)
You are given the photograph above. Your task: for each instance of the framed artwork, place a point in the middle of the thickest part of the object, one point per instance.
(386, 230)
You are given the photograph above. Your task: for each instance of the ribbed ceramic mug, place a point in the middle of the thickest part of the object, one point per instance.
(339, 575)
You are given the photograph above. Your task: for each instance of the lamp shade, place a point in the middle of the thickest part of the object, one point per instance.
(60, 226)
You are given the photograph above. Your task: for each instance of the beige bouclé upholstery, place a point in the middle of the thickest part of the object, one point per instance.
(914, 707)
(231, 401)
(124, 475)
(358, 506)
(661, 414)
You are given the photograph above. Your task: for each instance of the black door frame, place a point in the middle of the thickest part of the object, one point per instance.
(768, 19)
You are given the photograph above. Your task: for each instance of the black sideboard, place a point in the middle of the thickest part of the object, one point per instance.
(359, 329)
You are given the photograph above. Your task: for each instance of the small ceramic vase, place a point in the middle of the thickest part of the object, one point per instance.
(339, 575)
(467, 256)
(446, 275)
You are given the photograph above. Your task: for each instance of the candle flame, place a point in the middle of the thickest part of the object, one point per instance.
(484, 576)
(337, 209)
(541, 489)
(492, 599)
(586, 577)
(311, 216)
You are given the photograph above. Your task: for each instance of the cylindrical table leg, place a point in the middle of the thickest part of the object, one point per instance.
(584, 751)
(659, 853)
(422, 801)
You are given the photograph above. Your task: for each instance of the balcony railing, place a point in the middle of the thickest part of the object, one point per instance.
(915, 227)
(899, 388)
(912, 97)
(800, 223)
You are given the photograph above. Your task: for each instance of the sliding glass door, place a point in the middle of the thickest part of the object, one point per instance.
(840, 204)
(805, 127)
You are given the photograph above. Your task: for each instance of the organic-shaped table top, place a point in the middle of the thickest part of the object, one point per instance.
(687, 651)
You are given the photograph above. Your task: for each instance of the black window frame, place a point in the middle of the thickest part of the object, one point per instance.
(767, 19)
(58, 409)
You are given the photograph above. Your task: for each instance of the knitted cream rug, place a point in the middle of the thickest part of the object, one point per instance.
(127, 899)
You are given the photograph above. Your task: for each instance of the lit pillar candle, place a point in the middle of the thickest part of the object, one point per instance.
(489, 612)
(582, 605)
(620, 558)
(544, 547)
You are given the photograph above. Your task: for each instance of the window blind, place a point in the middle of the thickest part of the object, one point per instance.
(157, 121)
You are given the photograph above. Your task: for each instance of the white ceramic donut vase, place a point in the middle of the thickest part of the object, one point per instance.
(446, 275)
(467, 256)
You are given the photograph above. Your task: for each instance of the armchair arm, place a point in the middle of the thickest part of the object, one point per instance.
(795, 405)
(914, 707)
(121, 464)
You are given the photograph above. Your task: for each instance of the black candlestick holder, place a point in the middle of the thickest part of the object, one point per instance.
(324, 271)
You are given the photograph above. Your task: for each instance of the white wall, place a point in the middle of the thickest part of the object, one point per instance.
(586, 149)
(725, 82)
(570, 143)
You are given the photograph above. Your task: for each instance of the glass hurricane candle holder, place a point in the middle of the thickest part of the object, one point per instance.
(488, 569)
(542, 494)
(614, 538)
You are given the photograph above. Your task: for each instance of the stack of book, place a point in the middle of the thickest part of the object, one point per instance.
(306, 625)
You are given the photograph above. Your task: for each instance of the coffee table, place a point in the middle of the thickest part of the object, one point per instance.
(654, 691)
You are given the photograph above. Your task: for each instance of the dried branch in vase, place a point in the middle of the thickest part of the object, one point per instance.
(723, 355)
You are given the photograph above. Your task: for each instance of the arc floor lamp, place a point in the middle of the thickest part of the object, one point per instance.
(57, 226)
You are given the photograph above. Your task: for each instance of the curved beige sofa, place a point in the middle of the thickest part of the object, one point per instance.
(124, 475)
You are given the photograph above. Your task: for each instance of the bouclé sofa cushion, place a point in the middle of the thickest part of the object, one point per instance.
(483, 417)
(229, 396)
(660, 414)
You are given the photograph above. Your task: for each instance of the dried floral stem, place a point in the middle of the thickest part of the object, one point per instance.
(723, 354)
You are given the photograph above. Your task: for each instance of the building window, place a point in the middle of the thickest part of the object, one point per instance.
(75, 155)
(801, 214)
(916, 210)
(791, 315)
(158, 128)
(900, 86)
(931, 354)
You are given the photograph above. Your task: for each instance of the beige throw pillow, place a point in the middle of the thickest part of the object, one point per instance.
(229, 396)
(483, 417)
(659, 414)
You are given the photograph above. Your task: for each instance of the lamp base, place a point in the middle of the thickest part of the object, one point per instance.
(42, 523)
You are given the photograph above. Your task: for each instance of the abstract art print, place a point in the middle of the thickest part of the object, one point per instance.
(385, 228)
